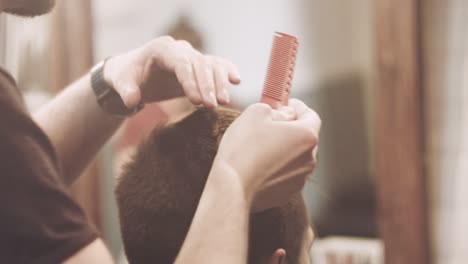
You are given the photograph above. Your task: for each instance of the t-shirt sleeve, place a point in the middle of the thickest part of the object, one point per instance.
(39, 220)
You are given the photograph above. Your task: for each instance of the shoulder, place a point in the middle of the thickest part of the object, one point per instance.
(10, 95)
(17, 128)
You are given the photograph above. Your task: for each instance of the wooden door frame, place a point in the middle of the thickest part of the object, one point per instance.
(399, 128)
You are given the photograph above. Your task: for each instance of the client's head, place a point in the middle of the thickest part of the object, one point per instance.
(160, 188)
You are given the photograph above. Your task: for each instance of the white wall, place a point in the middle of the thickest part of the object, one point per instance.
(446, 112)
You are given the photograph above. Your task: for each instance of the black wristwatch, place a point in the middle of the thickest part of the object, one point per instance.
(106, 95)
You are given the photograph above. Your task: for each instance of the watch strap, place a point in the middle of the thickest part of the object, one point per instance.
(106, 95)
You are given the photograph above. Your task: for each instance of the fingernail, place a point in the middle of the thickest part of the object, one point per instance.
(234, 78)
(213, 99)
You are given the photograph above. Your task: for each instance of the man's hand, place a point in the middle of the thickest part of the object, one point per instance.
(263, 158)
(166, 68)
(271, 151)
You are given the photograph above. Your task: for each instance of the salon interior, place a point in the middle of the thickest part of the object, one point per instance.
(389, 79)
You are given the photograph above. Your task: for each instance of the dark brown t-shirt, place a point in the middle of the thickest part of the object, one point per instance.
(39, 221)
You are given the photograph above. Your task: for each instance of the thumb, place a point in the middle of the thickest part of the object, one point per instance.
(130, 94)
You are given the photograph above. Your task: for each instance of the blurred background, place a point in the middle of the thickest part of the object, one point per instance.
(389, 79)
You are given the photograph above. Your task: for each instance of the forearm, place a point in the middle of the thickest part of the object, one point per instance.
(219, 230)
(76, 126)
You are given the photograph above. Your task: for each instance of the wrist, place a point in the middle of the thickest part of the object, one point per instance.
(225, 180)
(106, 93)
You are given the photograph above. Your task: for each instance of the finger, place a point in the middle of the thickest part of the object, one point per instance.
(288, 111)
(259, 110)
(280, 190)
(233, 72)
(159, 46)
(283, 113)
(303, 163)
(221, 84)
(306, 116)
(310, 120)
(205, 82)
(299, 106)
(186, 78)
(185, 44)
(130, 94)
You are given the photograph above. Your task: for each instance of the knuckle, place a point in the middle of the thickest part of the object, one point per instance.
(210, 58)
(316, 117)
(199, 60)
(309, 138)
(184, 58)
(166, 38)
(183, 64)
(163, 42)
(260, 108)
(294, 101)
(184, 43)
(194, 97)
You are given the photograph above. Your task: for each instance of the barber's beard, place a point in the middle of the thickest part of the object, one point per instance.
(29, 8)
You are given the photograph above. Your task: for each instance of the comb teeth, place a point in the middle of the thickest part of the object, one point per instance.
(280, 70)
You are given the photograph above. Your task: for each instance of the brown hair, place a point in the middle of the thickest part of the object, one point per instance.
(160, 189)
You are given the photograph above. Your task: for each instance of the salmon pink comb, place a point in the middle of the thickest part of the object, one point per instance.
(280, 70)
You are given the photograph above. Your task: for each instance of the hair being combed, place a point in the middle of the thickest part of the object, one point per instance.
(160, 189)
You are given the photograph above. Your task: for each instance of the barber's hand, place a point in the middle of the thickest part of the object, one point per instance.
(166, 68)
(271, 151)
